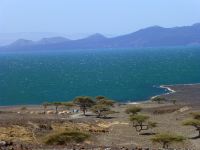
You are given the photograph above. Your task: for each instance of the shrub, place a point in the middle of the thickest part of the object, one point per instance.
(67, 137)
(133, 110)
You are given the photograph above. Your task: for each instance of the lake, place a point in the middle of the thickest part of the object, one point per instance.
(123, 74)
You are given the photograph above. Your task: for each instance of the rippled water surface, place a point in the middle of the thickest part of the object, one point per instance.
(32, 78)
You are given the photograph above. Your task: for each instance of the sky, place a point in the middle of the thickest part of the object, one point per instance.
(84, 17)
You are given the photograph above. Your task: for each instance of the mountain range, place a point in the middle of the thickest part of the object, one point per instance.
(154, 36)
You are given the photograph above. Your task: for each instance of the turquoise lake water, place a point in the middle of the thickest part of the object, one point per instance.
(124, 75)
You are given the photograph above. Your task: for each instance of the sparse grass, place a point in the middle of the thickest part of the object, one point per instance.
(165, 110)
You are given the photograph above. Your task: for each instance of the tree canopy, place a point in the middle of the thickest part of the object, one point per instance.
(167, 138)
(105, 102)
(84, 102)
(139, 122)
(103, 107)
(102, 110)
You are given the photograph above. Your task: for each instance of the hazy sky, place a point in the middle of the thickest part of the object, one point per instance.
(110, 17)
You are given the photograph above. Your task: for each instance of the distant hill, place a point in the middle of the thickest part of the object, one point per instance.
(53, 40)
(149, 37)
(8, 38)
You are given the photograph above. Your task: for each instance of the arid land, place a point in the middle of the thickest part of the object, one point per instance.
(28, 128)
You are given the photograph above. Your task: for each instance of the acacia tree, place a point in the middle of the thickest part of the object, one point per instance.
(84, 102)
(195, 122)
(139, 122)
(102, 110)
(166, 139)
(103, 107)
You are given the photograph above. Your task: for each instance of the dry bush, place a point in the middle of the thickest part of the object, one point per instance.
(66, 138)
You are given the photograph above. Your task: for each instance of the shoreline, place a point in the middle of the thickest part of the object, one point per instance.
(169, 90)
(166, 87)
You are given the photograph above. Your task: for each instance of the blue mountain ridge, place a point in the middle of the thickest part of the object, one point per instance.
(154, 36)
